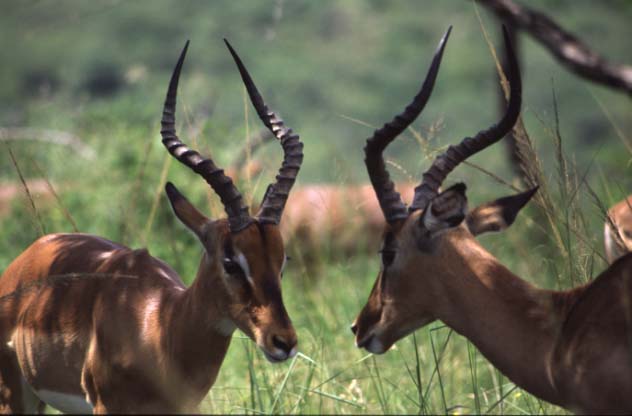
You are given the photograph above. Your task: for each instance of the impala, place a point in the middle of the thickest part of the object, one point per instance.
(133, 338)
(617, 231)
(572, 348)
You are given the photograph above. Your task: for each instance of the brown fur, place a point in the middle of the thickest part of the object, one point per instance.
(334, 215)
(572, 348)
(128, 333)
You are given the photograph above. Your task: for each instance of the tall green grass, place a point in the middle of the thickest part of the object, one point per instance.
(556, 243)
(432, 371)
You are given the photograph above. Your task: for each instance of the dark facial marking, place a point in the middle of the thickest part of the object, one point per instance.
(388, 253)
(230, 263)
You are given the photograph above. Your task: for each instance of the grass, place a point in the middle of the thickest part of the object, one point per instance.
(432, 371)
(555, 243)
(337, 378)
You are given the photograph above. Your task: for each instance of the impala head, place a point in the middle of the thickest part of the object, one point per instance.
(429, 244)
(244, 253)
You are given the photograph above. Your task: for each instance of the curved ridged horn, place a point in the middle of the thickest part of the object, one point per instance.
(450, 159)
(277, 193)
(391, 202)
(223, 186)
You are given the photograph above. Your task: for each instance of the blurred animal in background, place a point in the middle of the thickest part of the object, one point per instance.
(328, 218)
(88, 325)
(617, 233)
(571, 348)
(322, 220)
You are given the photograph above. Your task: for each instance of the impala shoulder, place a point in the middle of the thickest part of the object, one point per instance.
(603, 303)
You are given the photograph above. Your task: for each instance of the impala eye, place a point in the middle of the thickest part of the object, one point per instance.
(388, 256)
(232, 267)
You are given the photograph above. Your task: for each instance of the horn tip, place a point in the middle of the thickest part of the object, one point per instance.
(445, 37)
(237, 59)
(184, 49)
(172, 191)
(230, 47)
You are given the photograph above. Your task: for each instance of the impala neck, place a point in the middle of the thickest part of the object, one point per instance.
(511, 322)
(200, 331)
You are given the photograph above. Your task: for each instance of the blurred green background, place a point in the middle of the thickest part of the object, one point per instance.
(86, 67)
(98, 70)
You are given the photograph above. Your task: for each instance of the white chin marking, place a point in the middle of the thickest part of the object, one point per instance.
(293, 352)
(275, 356)
(375, 346)
(67, 403)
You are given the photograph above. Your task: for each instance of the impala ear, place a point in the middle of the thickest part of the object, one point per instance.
(446, 210)
(193, 219)
(499, 214)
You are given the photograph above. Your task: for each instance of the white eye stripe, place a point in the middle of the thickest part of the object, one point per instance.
(241, 259)
(243, 263)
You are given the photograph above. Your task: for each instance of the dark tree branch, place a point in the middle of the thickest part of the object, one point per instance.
(565, 46)
(510, 138)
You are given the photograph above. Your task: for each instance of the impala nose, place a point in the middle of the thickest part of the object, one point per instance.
(365, 342)
(283, 344)
(280, 347)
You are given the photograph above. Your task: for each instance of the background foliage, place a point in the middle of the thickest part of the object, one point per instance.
(99, 70)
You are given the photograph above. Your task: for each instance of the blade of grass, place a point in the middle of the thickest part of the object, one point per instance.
(277, 396)
(135, 190)
(338, 373)
(255, 396)
(156, 200)
(500, 400)
(627, 142)
(300, 402)
(376, 380)
(51, 189)
(336, 398)
(34, 212)
(422, 402)
(436, 370)
(471, 356)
